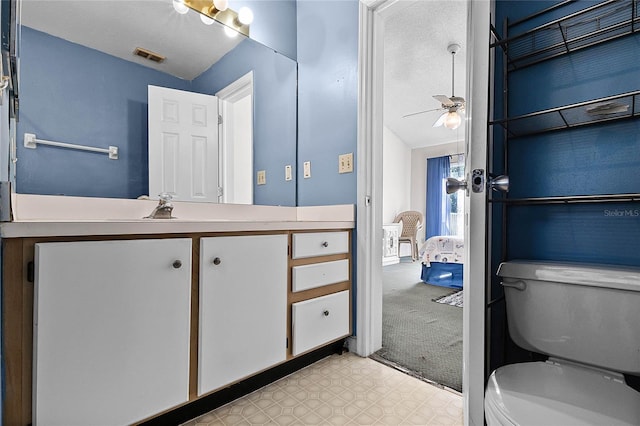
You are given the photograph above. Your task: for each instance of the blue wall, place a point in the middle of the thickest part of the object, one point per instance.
(274, 132)
(327, 99)
(274, 23)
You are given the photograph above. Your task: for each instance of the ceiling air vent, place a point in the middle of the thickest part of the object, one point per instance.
(147, 54)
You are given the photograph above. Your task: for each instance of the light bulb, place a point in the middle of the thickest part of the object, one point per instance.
(221, 5)
(245, 16)
(205, 19)
(452, 121)
(230, 32)
(180, 7)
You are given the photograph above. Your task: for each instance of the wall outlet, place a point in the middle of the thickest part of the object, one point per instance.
(345, 163)
(307, 169)
(287, 172)
(262, 177)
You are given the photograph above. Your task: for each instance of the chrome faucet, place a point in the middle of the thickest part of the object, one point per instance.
(164, 208)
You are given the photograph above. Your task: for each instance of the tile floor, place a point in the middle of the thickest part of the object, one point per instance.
(342, 390)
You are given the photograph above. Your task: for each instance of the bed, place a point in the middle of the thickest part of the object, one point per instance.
(442, 261)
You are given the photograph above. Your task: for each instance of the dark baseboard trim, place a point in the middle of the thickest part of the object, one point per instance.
(224, 396)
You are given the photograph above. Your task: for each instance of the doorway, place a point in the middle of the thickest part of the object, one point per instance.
(236, 141)
(419, 334)
(369, 212)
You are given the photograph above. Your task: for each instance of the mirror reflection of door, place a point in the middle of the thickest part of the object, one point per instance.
(183, 145)
(236, 140)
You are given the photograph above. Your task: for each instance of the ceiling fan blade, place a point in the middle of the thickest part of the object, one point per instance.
(421, 112)
(440, 121)
(444, 100)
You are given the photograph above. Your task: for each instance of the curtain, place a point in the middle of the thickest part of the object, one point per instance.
(438, 209)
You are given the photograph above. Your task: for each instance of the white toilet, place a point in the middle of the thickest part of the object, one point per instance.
(587, 319)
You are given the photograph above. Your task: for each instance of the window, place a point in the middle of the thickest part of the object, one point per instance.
(456, 200)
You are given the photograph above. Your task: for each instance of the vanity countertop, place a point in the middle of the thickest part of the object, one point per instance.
(56, 216)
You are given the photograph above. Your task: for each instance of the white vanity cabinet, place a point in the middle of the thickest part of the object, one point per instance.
(243, 307)
(124, 328)
(111, 330)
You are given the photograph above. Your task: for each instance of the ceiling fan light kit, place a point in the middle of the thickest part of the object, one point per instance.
(454, 105)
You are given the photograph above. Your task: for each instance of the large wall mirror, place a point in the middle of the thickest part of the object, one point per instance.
(85, 68)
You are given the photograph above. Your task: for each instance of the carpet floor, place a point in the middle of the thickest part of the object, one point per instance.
(418, 334)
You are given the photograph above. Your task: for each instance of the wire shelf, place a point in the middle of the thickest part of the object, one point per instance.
(617, 107)
(574, 199)
(594, 25)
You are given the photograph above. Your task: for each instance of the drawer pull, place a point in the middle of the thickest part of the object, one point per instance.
(177, 264)
(326, 313)
(217, 261)
(325, 244)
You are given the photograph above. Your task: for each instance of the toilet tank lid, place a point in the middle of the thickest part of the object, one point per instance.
(594, 275)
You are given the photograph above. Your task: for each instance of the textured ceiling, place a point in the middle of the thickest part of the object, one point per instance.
(118, 27)
(417, 65)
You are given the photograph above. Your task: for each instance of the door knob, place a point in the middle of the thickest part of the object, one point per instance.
(177, 264)
(499, 183)
(325, 313)
(217, 261)
(454, 185)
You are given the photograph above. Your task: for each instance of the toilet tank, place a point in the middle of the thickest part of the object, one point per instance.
(585, 313)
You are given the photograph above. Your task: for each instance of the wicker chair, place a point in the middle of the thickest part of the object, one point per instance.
(411, 222)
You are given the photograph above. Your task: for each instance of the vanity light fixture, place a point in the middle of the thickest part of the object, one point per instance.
(206, 20)
(218, 10)
(229, 32)
(180, 7)
(245, 16)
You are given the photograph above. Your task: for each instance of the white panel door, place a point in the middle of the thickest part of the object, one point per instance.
(243, 307)
(183, 144)
(111, 330)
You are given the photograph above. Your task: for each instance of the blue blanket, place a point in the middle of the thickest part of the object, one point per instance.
(442, 274)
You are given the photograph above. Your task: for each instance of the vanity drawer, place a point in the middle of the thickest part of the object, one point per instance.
(319, 274)
(320, 244)
(319, 320)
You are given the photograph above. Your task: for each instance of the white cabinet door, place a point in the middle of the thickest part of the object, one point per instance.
(243, 307)
(111, 330)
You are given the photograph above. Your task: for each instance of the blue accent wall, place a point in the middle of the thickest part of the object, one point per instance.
(274, 132)
(327, 99)
(105, 109)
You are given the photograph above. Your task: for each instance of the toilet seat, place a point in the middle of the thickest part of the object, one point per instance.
(559, 392)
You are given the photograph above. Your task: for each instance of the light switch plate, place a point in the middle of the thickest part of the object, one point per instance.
(287, 172)
(307, 169)
(262, 177)
(345, 163)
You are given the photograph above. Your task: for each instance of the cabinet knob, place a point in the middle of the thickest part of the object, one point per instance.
(325, 313)
(177, 264)
(217, 261)
(325, 244)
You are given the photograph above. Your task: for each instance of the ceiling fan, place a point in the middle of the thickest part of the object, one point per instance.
(452, 106)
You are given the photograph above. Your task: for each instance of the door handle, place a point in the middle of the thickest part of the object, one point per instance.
(499, 183)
